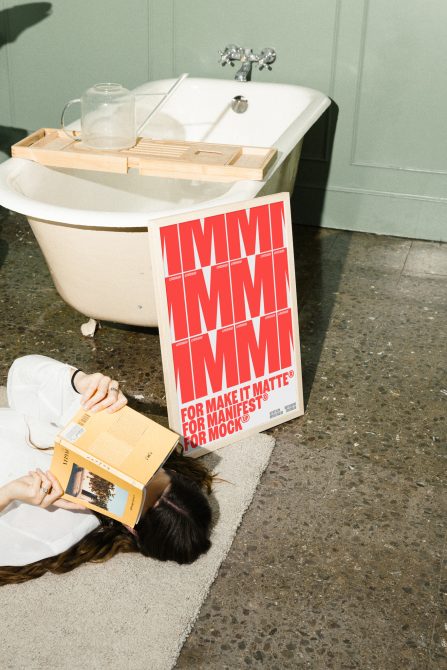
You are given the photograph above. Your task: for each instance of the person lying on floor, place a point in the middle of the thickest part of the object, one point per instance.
(40, 531)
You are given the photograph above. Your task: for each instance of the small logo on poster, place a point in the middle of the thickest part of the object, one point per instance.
(274, 413)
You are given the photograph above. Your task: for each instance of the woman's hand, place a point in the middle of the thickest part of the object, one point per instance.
(39, 488)
(99, 392)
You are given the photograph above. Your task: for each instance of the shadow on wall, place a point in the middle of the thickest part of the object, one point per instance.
(317, 270)
(13, 21)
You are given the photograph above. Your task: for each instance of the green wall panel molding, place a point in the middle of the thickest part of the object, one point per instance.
(371, 212)
(8, 133)
(376, 161)
(401, 76)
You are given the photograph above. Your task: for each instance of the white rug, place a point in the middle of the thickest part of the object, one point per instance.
(131, 613)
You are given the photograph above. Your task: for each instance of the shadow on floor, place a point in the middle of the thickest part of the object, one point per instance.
(316, 283)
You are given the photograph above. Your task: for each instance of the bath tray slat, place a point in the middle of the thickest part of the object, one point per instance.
(162, 158)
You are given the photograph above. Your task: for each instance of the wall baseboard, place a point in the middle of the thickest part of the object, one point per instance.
(370, 212)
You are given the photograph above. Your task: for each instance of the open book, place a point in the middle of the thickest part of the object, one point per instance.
(104, 460)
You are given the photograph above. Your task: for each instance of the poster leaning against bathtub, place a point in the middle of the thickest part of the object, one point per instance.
(225, 286)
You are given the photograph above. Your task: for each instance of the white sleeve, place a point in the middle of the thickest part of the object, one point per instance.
(29, 533)
(39, 387)
(39, 393)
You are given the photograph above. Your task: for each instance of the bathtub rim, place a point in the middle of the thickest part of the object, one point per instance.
(15, 200)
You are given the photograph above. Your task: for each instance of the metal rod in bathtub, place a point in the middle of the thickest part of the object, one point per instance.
(160, 104)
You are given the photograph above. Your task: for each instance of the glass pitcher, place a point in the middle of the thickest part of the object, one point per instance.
(107, 117)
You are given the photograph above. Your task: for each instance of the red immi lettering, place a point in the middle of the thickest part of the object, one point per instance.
(176, 306)
(207, 244)
(200, 302)
(246, 289)
(252, 228)
(208, 365)
(170, 248)
(182, 370)
(285, 332)
(277, 223)
(252, 350)
(281, 278)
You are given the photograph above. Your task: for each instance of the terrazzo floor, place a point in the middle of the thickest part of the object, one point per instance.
(340, 560)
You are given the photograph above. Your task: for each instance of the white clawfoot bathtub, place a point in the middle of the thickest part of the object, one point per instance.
(92, 226)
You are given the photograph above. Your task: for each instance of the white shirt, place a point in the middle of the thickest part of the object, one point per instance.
(41, 401)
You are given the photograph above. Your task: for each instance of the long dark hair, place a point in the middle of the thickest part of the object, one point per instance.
(176, 529)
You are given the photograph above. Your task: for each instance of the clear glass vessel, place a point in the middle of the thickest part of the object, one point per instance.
(107, 117)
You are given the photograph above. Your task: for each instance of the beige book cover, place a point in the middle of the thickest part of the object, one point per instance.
(104, 460)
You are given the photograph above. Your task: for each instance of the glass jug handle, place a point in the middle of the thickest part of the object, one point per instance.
(70, 135)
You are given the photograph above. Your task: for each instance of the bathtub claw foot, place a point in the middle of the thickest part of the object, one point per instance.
(89, 329)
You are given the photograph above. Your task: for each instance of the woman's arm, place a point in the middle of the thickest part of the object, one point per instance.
(98, 391)
(5, 498)
(36, 488)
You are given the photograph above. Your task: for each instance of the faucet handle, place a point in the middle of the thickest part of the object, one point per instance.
(266, 57)
(230, 53)
(224, 58)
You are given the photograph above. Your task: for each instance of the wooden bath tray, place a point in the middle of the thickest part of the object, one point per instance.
(162, 158)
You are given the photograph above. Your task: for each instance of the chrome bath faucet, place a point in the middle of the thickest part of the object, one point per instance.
(246, 56)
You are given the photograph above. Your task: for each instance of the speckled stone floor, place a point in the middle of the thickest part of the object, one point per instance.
(340, 561)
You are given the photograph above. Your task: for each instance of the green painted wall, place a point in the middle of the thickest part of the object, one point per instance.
(384, 169)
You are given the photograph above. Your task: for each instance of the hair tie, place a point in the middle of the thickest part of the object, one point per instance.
(72, 379)
(178, 509)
